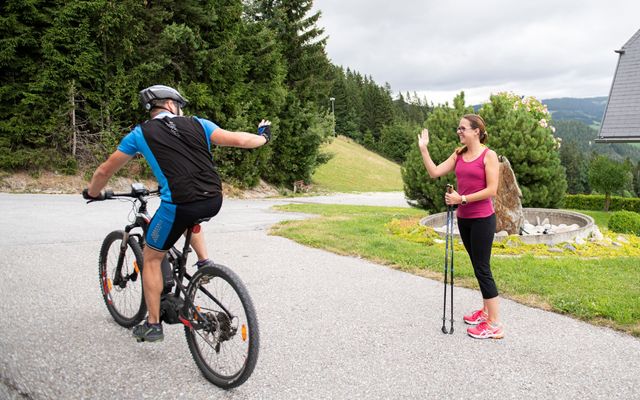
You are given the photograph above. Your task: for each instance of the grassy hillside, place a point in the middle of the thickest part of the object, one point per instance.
(356, 169)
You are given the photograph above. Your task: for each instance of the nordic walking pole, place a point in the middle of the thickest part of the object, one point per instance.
(450, 188)
(448, 236)
(446, 264)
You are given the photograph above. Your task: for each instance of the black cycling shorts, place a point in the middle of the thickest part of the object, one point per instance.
(172, 220)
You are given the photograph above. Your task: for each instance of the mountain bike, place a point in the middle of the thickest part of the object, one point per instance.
(213, 304)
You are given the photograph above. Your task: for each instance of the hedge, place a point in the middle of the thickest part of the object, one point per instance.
(596, 202)
(625, 222)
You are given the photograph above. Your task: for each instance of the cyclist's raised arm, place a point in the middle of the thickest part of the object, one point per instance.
(100, 178)
(222, 137)
(245, 140)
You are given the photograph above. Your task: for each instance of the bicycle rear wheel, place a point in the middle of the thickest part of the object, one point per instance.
(122, 292)
(224, 336)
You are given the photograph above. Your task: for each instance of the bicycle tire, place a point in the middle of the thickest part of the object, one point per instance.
(125, 301)
(246, 340)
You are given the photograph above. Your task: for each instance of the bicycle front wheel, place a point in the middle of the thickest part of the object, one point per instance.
(223, 337)
(122, 287)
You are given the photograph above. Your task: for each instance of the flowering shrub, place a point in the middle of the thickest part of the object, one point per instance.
(521, 129)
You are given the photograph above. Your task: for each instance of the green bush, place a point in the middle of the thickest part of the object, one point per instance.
(625, 222)
(596, 202)
(36, 160)
(68, 166)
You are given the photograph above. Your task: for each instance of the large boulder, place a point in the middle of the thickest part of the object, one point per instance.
(508, 203)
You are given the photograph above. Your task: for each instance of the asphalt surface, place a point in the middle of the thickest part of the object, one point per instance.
(332, 327)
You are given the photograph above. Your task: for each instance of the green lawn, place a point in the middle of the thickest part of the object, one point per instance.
(604, 291)
(601, 218)
(355, 169)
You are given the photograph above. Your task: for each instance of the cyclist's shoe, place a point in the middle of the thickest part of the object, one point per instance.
(475, 317)
(203, 263)
(486, 330)
(147, 332)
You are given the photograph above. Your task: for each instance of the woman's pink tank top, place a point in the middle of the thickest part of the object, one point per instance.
(472, 178)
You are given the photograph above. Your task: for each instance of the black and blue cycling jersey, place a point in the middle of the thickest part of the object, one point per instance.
(178, 150)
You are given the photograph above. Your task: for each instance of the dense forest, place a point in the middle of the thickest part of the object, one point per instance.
(70, 72)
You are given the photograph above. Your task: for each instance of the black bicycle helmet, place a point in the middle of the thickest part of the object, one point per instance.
(160, 92)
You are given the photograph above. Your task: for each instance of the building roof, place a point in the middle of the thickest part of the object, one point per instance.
(621, 121)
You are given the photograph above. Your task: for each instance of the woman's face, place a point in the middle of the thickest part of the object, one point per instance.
(465, 132)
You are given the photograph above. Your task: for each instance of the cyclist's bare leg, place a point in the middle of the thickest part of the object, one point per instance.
(152, 282)
(199, 246)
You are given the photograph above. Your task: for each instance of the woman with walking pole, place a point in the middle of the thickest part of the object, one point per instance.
(476, 169)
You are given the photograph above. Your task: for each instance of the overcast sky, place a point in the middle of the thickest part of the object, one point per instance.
(543, 48)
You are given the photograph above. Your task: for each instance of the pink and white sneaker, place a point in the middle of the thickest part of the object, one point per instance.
(476, 317)
(485, 330)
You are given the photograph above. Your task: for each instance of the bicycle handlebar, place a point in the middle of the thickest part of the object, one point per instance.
(137, 191)
(110, 195)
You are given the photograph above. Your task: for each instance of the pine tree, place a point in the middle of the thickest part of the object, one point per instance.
(303, 47)
(576, 166)
(23, 105)
(519, 128)
(303, 119)
(397, 139)
(341, 102)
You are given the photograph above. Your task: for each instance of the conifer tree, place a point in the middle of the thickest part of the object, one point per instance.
(576, 167)
(520, 129)
(303, 119)
(397, 139)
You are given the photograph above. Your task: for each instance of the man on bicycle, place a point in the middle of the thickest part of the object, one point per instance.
(177, 149)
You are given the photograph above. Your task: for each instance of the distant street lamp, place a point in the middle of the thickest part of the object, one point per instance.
(333, 112)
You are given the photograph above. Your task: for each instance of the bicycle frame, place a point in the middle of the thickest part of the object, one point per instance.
(180, 273)
(194, 299)
(177, 259)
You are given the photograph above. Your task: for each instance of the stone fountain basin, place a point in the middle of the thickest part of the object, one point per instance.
(585, 224)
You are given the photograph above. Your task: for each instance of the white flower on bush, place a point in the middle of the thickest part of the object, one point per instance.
(543, 123)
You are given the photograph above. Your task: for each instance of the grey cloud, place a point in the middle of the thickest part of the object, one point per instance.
(437, 45)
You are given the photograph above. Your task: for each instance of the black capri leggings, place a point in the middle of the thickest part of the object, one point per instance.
(477, 236)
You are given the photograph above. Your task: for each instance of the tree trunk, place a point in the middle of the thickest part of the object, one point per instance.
(72, 99)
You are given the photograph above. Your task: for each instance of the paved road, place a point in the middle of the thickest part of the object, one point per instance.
(331, 326)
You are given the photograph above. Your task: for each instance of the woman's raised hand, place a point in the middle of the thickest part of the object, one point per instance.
(423, 138)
